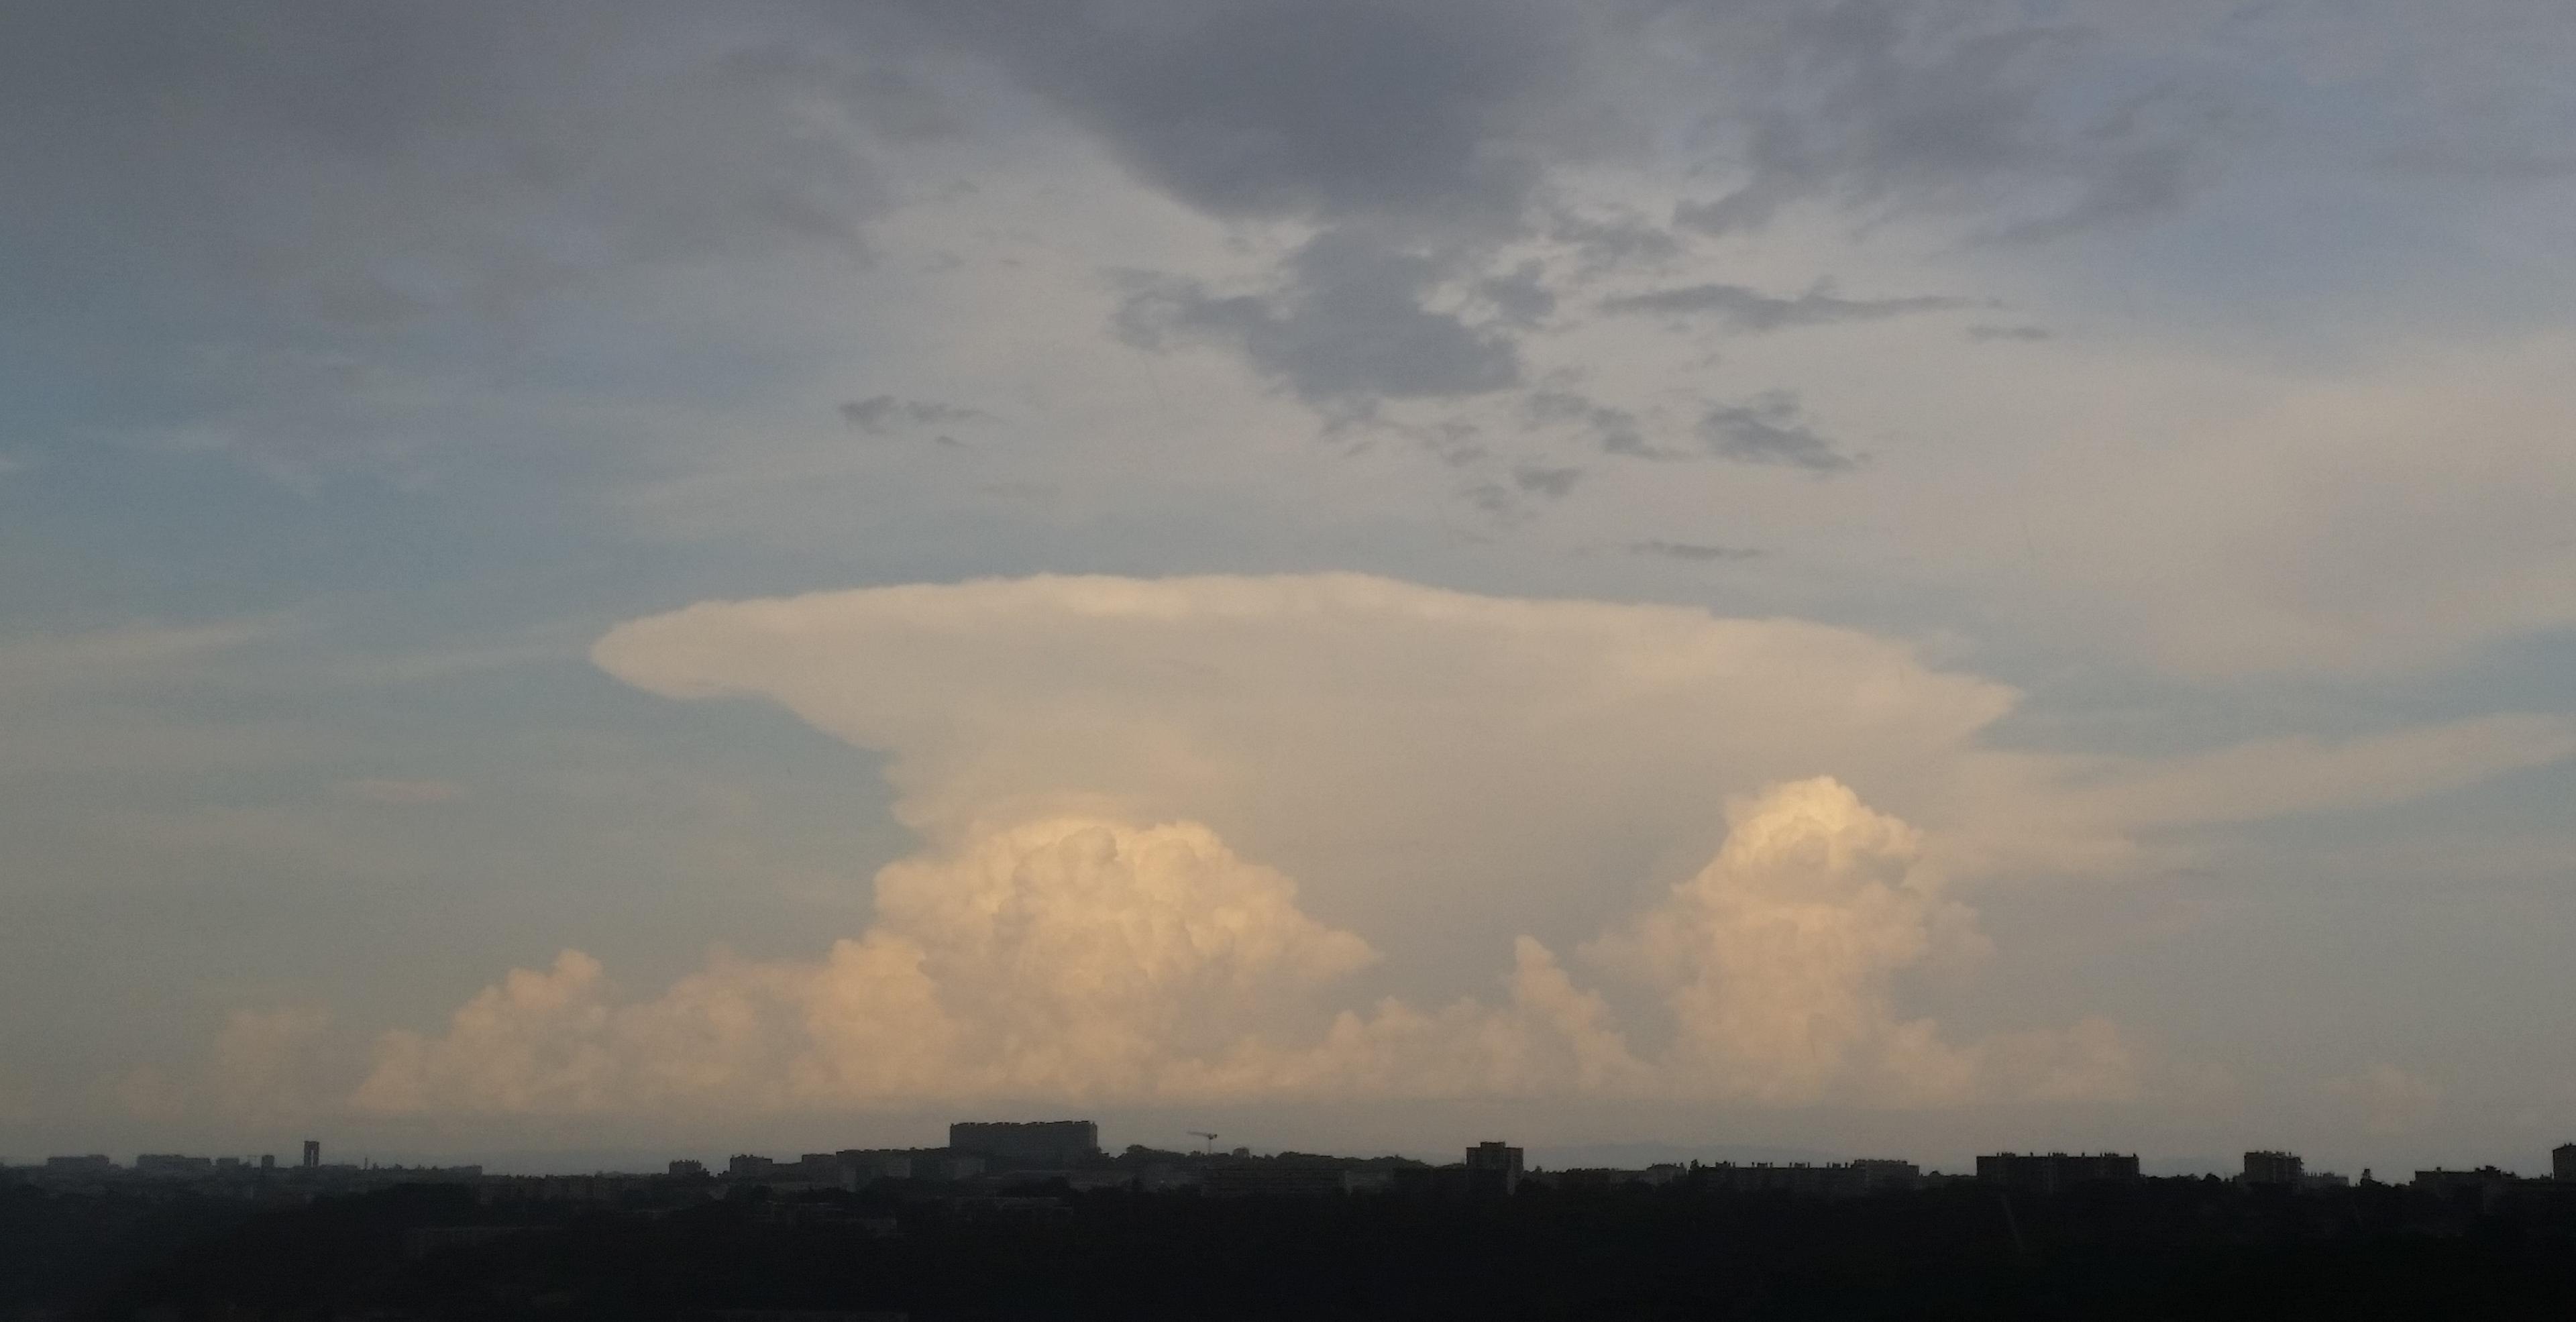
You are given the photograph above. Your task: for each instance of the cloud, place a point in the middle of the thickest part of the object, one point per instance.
(1696, 552)
(1348, 326)
(463, 156)
(1087, 960)
(1113, 781)
(1540, 480)
(1421, 112)
(1066, 957)
(2023, 333)
(1606, 242)
(878, 414)
(402, 793)
(1520, 296)
(2401, 515)
(1775, 961)
(1745, 309)
(1890, 110)
(1767, 430)
(1265, 705)
(1616, 430)
(360, 243)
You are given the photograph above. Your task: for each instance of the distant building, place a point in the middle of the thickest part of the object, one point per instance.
(2035, 1172)
(93, 1164)
(2487, 1182)
(2273, 1170)
(1039, 1144)
(746, 1166)
(312, 1153)
(2562, 1163)
(2323, 1182)
(1806, 1180)
(877, 1163)
(686, 1169)
(171, 1163)
(946, 1167)
(1493, 1170)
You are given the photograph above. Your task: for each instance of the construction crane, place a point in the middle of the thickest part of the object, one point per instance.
(1207, 1141)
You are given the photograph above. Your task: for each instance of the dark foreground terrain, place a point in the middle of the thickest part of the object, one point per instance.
(2151, 1249)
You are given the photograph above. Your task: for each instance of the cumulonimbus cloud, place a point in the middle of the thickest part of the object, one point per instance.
(1114, 779)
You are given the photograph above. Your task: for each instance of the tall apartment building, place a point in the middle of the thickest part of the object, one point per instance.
(2562, 1163)
(1493, 1169)
(2278, 1169)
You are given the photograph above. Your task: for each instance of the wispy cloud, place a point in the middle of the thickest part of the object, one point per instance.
(879, 414)
(401, 793)
(1771, 429)
(1697, 552)
(125, 651)
(1740, 308)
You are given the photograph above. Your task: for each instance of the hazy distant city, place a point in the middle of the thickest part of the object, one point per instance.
(989, 1157)
(1035, 1218)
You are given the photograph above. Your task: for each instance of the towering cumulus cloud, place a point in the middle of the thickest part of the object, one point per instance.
(1763, 827)
(1064, 957)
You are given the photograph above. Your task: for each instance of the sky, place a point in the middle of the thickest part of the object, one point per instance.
(1638, 576)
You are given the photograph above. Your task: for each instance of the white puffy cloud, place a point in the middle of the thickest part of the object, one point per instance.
(1427, 763)
(1081, 959)
(1775, 957)
(1070, 956)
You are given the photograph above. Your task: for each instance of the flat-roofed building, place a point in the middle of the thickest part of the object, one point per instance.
(1493, 1170)
(878, 1163)
(1027, 1144)
(2048, 1172)
(1810, 1180)
(2280, 1170)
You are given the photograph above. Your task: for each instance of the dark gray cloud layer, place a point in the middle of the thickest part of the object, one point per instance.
(383, 229)
(1430, 112)
(1346, 327)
